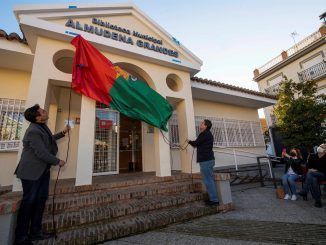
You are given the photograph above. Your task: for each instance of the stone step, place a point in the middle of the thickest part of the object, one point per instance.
(133, 224)
(97, 213)
(64, 187)
(67, 202)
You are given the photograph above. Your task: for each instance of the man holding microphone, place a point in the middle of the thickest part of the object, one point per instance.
(38, 155)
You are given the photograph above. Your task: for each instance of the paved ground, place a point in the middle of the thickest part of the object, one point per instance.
(259, 218)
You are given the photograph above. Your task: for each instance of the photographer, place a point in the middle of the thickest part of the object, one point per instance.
(293, 172)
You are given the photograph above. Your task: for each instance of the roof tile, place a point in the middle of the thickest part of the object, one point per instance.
(12, 36)
(232, 87)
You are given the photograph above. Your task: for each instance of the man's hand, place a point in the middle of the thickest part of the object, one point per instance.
(62, 163)
(313, 170)
(67, 129)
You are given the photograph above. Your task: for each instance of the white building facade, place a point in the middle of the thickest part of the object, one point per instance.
(37, 70)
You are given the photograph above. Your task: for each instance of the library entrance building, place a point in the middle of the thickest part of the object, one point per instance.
(36, 68)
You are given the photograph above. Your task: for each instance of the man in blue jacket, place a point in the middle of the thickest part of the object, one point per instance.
(206, 159)
(38, 155)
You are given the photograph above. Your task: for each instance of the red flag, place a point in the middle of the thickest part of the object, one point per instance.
(96, 77)
(93, 73)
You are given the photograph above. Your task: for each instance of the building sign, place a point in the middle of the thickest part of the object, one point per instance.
(117, 33)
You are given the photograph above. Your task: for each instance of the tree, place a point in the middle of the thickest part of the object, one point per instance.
(300, 114)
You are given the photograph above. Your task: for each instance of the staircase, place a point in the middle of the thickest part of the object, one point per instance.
(110, 210)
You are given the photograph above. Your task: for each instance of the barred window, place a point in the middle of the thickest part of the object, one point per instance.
(257, 133)
(11, 121)
(233, 132)
(246, 133)
(226, 132)
(174, 131)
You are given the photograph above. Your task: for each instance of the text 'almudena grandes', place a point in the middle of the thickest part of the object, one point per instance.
(124, 36)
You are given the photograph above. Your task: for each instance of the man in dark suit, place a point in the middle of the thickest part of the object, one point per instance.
(206, 159)
(38, 155)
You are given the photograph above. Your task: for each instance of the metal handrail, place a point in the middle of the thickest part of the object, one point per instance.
(270, 63)
(270, 169)
(235, 155)
(313, 72)
(260, 156)
(250, 152)
(304, 43)
(291, 51)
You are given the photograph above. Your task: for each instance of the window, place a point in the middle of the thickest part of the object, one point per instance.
(274, 84)
(311, 61)
(174, 131)
(275, 80)
(11, 121)
(106, 140)
(226, 132)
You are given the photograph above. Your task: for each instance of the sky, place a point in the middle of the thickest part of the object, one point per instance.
(231, 37)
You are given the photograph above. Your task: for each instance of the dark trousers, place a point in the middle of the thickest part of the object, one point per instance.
(312, 183)
(35, 194)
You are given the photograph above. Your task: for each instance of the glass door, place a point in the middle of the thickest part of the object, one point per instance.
(130, 145)
(106, 148)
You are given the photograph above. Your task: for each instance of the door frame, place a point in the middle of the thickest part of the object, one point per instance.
(141, 140)
(118, 143)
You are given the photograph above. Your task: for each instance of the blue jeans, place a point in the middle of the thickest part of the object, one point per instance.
(206, 170)
(312, 183)
(35, 194)
(289, 185)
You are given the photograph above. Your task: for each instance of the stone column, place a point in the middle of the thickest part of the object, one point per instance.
(162, 154)
(38, 93)
(85, 155)
(186, 118)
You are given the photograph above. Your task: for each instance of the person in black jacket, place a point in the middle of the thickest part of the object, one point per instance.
(38, 155)
(206, 159)
(316, 173)
(293, 171)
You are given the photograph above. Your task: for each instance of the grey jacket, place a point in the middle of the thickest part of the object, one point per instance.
(39, 152)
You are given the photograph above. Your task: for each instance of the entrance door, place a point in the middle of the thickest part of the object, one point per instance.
(106, 159)
(130, 145)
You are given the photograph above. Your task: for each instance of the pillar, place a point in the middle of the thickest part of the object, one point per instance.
(284, 55)
(85, 155)
(187, 130)
(38, 93)
(256, 73)
(162, 154)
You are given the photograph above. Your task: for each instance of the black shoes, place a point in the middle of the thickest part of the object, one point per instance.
(41, 236)
(23, 242)
(318, 204)
(210, 203)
